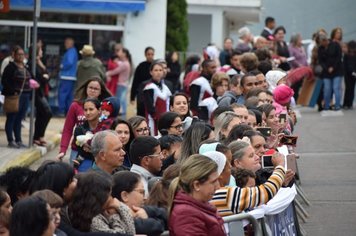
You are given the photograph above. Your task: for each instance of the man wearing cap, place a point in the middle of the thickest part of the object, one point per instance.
(89, 66)
(67, 76)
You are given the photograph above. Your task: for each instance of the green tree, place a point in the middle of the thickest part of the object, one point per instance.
(177, 26)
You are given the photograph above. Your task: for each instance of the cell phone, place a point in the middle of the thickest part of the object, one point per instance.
(267, 162)
(265, 131)
(289, 140)
(282, 118)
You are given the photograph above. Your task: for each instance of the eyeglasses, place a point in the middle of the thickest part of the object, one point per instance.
(156, 155)
(94, 88)
(143, 130)
(177, 127)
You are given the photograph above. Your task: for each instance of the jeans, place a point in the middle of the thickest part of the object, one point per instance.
(121, 92)
(65, 95)
(73, 155)
(332, 85)
(13, 120)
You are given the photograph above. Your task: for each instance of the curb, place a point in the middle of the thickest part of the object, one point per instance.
(30, 156)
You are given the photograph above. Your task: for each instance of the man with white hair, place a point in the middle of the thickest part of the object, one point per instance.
(108, 151)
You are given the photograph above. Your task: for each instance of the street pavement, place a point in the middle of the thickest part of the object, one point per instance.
(327, 148)
(12, 157)
(327, 164)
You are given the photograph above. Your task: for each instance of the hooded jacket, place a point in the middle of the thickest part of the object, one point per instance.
(88, 67)
(229, 98)
(106, 122)
(191, 217)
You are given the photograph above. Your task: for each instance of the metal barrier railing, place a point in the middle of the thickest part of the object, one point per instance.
(236, 226)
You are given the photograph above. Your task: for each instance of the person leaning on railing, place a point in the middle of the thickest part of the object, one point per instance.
(233, 200)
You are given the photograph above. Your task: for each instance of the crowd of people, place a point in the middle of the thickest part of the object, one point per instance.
(194, 152)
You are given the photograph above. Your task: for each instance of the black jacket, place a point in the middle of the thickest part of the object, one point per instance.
(155, 224)
(330, 56)
(283, 51)
(12, 80)
(142, 73)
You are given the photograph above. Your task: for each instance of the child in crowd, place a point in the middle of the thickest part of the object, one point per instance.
(244, 178)
(234, 95)
(55, 202)
(109, 111)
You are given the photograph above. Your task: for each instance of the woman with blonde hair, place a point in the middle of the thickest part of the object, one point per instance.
(189, 210)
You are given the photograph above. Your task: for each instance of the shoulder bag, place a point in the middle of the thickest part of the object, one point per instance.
(11, 103)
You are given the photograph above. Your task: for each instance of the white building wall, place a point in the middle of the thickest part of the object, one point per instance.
(215, 24)
(199, 38)
(147, 28)
(227, 16)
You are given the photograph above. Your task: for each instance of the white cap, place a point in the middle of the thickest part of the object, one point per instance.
(219, 158)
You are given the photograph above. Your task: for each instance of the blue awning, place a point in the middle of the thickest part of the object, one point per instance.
(82, 6)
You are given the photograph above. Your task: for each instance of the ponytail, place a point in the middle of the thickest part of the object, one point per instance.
(171, 194)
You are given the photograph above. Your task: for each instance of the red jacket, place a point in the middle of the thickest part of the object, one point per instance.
(112, 84)
(74, 117)
(192, 217)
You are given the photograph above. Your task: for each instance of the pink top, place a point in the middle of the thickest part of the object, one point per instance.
(123, 71)
(75, 117)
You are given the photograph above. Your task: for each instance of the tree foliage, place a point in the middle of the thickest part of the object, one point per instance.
(177, 26)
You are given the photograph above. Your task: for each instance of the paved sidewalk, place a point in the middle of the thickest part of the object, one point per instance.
(10, 157)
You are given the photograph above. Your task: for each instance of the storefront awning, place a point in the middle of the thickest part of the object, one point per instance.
(82, 6)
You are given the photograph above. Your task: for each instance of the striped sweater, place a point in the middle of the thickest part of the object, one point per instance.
(233, 200)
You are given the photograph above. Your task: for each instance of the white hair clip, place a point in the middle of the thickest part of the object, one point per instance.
(245, 139)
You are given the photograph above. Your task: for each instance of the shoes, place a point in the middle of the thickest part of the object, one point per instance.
(338, 113)
(40, 143)
(326, 113)
(12, 144)
(21, 145)
(347, 107)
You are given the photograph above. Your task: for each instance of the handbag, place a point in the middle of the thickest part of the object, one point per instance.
(11, 103)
